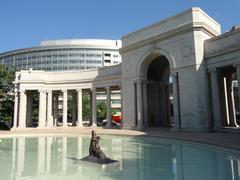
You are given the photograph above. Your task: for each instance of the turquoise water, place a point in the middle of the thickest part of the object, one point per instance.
(55, 158)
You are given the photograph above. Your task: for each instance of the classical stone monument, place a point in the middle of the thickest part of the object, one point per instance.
(179, 73)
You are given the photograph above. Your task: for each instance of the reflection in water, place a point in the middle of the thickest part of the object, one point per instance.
(140, 158)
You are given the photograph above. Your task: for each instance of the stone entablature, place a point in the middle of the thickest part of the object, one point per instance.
(223, 44)
(68, 79)
(180, 23)
(50, 85)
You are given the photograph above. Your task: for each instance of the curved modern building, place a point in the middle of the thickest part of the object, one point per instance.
(61, 55)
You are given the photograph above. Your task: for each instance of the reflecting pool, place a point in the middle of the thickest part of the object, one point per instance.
(55, 158)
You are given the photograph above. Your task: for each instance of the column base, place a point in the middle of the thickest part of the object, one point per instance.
(80, 126)
(94, 125)
(140, 128)
(13, 129)
(175, 129)
(109, 124)
(64, 125)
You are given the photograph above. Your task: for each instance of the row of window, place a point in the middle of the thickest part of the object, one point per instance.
(55, 62)
(58, 68)
(93, 62)
(116, 101)
(62, 55)
(113, 101)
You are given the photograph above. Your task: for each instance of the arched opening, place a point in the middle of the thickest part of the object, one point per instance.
(159, 93)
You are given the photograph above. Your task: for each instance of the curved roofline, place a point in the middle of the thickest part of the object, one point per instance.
(106, 42)
(74, 43)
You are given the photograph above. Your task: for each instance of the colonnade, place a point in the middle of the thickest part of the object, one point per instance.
(48, 112)
(222, 96)
(142, 104)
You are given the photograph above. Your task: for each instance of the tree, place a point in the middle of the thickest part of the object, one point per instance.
(101, 109)
(86, 107)
(6, 93)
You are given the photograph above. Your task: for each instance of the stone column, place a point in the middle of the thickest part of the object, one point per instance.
(176, 103)
(74, 109)
(109, 111)
(231, 105)
(145, 105)
(238, 80)
(49, 111)
(15, 109)
(215, 100)
(22, 109)
(42, 109)
(79, 107)
(90, 108)
(29, 109)
(139, 105)
(64, 119)
(223, 100)
(55, 110)
(94, 109)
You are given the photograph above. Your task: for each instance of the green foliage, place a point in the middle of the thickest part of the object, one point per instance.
(35, 108)
(6, 93)
(86, 107)
(114, 111)
(70, 108)
(102, 109)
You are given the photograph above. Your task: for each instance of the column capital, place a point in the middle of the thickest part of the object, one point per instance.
(42, 90)
(93, 88)
(49, 91)
(214, 69)
(64, 90)
(174, 74)
(139, 80)
(22, 90)
(79, 90)
(236, 65)
(107, 87)
(119, 84)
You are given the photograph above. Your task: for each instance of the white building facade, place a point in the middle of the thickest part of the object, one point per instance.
(166, 79)
(62, 55)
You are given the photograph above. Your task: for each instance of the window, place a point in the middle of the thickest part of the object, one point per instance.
(107, 61)
(116, 101)
(107, 54)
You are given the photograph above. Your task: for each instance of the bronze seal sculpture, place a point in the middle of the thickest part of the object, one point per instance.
(96, 155)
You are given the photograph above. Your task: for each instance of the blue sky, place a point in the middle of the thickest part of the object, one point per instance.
(24, 23)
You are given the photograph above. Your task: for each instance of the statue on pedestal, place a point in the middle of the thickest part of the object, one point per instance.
(94, 148)
(96, 155)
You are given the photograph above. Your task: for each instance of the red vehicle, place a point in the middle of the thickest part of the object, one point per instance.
(117, 119)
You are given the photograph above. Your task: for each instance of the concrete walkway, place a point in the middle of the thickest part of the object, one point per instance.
(223, 139)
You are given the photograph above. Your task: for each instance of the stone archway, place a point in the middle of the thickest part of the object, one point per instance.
(159, 91)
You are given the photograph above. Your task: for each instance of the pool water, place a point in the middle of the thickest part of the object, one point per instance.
(56, 158)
